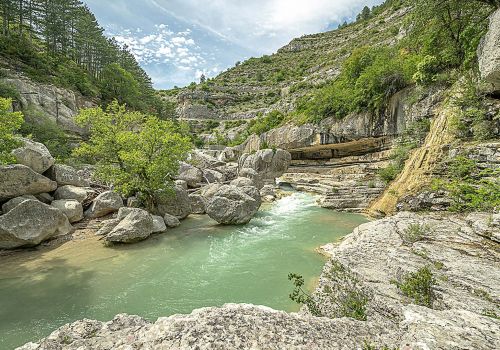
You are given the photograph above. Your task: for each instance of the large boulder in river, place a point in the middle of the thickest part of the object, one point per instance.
(233, 205)
(71, 208)
(268, 163)
(252, 175)
(171, 221)
(34, 155)
(176, 203)
(66, 175)
(489, 53)
(104, 204)
(158, 224)
(79, 194)
(136, 226)
(18, 180)
(30, 223)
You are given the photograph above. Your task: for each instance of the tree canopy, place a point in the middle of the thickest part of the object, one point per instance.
(137, 153)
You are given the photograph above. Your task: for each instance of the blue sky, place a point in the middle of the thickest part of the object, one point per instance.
(178, 40)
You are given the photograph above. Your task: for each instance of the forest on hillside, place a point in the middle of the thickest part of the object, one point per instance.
(61, 42)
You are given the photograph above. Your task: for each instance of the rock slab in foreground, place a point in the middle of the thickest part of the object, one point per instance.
(18, 180)
(30, 223)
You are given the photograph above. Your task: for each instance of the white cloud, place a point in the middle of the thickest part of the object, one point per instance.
(266, 24)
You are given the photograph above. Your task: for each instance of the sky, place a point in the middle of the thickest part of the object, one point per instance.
(176, 41)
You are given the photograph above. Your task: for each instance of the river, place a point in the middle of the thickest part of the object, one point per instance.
(195, 265)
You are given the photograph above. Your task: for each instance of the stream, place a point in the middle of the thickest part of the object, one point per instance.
(195, 265)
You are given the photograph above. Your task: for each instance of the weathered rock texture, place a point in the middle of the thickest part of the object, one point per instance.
(268, 163)
(30, 223)
(34, 155)
(17, 180)
(71, 208)
(233, 205)
(177, 203)
(136, 226)
(106, 203)
(489, 55)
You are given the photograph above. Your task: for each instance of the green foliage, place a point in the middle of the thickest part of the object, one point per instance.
(135, 152)
(119, 84)
(300, 296)
(265, 123)
(41, 128)
(418, 286)
(470, 188)
(427, 70)
(8, 91)
(347, 296)
(10, 122)
(414, 233)
(370, 76)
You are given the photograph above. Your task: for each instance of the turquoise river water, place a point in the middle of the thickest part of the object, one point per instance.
(197, 264)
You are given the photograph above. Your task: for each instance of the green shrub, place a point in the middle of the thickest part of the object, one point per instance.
(414, 233)
(9, 91)
(418, 286)
(427, 70)
(10, 122)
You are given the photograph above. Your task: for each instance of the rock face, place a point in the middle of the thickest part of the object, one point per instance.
(176, 204)
(463, 261)
(72, 192)
(489, 55)
(232, 205)
(17, 180)
(106, 203)
(268, 163)
(191, 175)
(66, 175)
(34, 155)
(30, 223)
(136, 226)
(69, 207)
(171, 221)
(197, 204)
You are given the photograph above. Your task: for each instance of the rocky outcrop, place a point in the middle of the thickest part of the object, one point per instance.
(69, 207)
(192, 175)
(171, 221)
(31, 222)
(17, 180)
(268, 163)
(34, 155)
(56, 104)
(233, 205)
(106, 203)
(488, 54)
(197, 204)
(66, 175)
(176, 203)
(79, 194)
(136, 226)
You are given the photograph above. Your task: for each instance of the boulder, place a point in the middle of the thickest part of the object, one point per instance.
(176, 203)
(489, 54)
(205, 161)
(197, 204)
(136, 226)
(44, 198)
(192, 175)
(268, 163)
(212, 176)
(71, 208)
(104, 204)
(30, 223)
(242, 182)
(18, 180)
(209, 190)
(230, 171)
(171, 221)
(252, 175)
(34, 155)
(107, 227)
(233, 205)
(14, 202)
(268, 193)
(158, 224)
(79, 194)
(66, 175)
